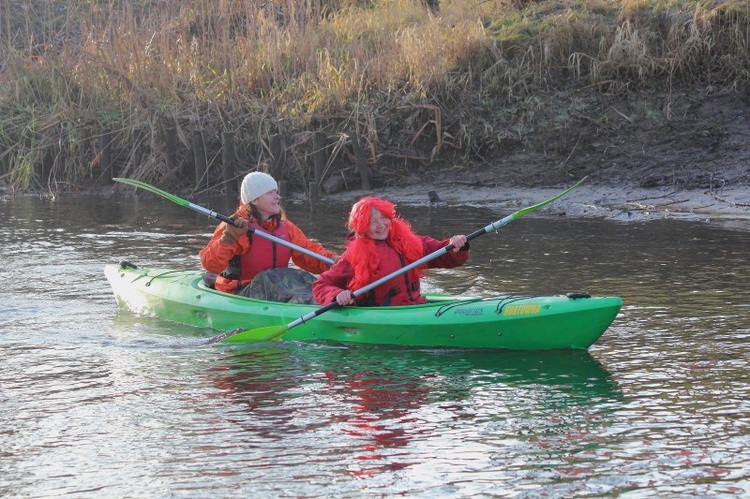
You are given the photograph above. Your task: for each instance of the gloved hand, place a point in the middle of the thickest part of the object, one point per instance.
(232, 232)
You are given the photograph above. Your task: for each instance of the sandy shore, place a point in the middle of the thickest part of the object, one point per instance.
(619, 203)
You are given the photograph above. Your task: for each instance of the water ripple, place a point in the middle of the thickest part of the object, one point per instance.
(97, 401)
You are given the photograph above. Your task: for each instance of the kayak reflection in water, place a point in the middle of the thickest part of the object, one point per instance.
(382, 243)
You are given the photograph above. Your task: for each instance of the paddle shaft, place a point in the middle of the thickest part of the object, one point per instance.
(223, 218)
(265, 235)
(435, 254)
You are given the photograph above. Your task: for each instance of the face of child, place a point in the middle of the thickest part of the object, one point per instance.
(268, 204)
(380, 225)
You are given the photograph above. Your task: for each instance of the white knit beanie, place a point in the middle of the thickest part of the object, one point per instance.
(255, 184)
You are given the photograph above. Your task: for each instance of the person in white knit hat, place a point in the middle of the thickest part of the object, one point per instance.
(255, 184)
(238, 256)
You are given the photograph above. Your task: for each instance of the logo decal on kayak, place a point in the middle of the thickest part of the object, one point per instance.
(469, 311)
(526, 309)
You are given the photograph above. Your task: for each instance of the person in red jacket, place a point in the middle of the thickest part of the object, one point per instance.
(238, 256)
(382, 243)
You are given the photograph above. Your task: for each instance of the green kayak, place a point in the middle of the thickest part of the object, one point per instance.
(501, 322)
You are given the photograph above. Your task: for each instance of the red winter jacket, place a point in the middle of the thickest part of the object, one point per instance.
(401, 290)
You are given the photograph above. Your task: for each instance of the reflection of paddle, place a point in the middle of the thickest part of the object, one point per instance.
(223, 218)
(270, 333)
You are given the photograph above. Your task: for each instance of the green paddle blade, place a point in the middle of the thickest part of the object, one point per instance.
(151, 188)
(268, 333)
(535, 207)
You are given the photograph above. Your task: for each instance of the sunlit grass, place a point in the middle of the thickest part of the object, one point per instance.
(412, 83)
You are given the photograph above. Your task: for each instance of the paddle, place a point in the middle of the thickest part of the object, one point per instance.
(270, 333)
(223, 218)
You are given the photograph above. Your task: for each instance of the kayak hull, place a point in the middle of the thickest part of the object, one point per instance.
(502, 322)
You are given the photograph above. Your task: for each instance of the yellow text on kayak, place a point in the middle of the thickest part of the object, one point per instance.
(525, 309)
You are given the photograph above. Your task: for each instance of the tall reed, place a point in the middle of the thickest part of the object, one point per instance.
(412, 84)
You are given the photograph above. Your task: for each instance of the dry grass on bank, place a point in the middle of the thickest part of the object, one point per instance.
(152, 89)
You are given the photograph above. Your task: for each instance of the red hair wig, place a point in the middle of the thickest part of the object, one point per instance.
(361, 251)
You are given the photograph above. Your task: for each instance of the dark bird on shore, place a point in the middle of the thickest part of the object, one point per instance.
(434, 198)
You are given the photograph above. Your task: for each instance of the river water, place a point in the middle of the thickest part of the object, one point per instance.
(95, 401)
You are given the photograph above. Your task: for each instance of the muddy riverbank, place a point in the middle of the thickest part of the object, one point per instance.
(588, 200)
